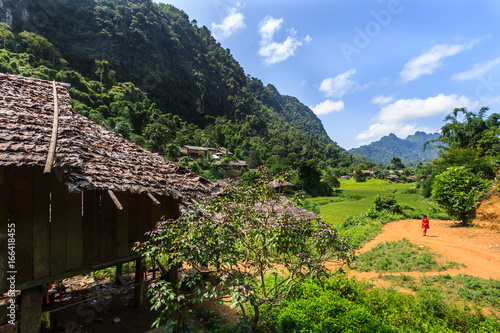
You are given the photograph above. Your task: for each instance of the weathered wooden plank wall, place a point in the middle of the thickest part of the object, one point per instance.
(74, 232)
(21, 213)
(41, 224)
(144, 217)
(122, 245)
(108, 228)
(59, 232)
(91, 227)
(59, 218)
(156, 214)
(5, 198)
(133, 219)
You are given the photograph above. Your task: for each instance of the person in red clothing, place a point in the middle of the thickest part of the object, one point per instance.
(425, 224)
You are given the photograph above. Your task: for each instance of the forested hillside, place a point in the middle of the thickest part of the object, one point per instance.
(146, 71)
(409, 150)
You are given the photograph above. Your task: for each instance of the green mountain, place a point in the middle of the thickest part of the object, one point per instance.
(409, 150)
(146, 71)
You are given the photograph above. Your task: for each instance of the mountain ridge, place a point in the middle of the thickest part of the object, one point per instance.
(409, 150)
(135, 65)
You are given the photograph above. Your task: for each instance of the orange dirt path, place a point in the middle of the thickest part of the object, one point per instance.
(478, 249)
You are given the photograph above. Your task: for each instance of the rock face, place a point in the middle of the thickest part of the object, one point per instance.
(488, 211)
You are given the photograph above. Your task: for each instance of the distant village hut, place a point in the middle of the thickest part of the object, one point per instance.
(77, 196)
(283, 186)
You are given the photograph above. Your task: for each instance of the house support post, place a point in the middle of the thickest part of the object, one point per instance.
(119, 275)
(31, 309)
(139, 284)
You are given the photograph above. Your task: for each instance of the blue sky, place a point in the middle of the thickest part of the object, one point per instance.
(367, 68)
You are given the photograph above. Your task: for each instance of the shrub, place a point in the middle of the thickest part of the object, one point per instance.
(343, 304)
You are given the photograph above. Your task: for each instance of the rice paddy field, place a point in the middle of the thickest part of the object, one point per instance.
(354, 198)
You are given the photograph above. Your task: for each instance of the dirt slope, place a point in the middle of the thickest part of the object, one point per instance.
(488, 211)
(477, 248)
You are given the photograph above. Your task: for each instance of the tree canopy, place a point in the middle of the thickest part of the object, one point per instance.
(466, 165)
(136, 65)
(241, 245)
(472, 132)
(458, 190)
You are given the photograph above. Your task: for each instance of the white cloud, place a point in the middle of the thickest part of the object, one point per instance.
(272, 51)
(233, 22)
(327, 107)
(378, 130)
(392, 118)
(382, 100)
(428, 62)
(268, 27)
(477, 70)
(339, 85)
(406, 109)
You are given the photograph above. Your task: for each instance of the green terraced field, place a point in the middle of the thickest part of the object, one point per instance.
(355, 198)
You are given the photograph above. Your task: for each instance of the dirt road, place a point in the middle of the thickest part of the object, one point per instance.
(478, 249)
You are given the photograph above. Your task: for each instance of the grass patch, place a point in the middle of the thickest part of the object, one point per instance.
(455, 289)
(362, 232)
(355, 198)
(353, 213)
(343, 304)
(110, 272)
(400, 256)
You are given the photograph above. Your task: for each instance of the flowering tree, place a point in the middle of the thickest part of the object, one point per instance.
(244, 245)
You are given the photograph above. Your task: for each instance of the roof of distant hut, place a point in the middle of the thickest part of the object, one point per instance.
(283, 206)
(91, 156)
(279, 184)
(239, 163)
(197, 148)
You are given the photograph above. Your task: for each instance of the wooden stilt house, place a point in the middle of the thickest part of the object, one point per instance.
(75, 195)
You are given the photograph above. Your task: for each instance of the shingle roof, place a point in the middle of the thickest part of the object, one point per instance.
(283, 206)
(91, 156)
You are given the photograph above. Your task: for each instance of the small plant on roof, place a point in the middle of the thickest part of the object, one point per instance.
(251, 252)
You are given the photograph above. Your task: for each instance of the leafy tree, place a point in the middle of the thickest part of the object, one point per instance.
(251, 252)
(489, 143)
(468, 157)
(185, 73)
(458, 190)
(396, 163)
(466, 133)
(358, 175)
(105, 73)
(184, 160)
(38, 45)
(471, 142)
(387, 204)
(157, 135)
(331, 180)
(171, 151)
(6, 34)
(250, 176)
(310, 179)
